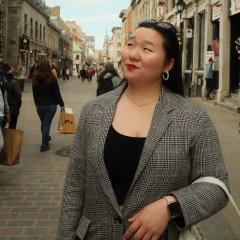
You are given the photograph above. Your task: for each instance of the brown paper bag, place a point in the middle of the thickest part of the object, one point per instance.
(10, 153)
(66, 123)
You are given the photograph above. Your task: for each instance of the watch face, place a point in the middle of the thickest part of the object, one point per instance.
(174, 209)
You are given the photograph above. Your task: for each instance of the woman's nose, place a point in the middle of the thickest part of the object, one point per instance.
(134, 54)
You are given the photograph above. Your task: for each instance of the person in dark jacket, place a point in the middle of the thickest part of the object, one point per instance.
(47, 96)
(108, 79)
(4, 107)
(14, 97)
(83, 74)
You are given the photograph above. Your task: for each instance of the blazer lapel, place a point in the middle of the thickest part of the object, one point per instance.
(160, 122)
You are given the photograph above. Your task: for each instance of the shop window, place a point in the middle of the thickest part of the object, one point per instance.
(44, 35)
(201, 40)
(216, 29)
(25, 25)
(36, 30)
(40, 33)
(190, 45)
(31, 28)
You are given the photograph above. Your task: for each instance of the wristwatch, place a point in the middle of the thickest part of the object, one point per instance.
(174, 209)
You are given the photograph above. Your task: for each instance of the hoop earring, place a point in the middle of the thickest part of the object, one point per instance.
(165, 78)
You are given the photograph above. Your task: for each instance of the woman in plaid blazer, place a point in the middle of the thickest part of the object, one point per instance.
(179, 145)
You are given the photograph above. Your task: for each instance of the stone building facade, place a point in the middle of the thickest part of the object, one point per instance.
(66, 41)
(78, 41)
(206, 28)
(2, 27)
(114, 54)
(26, 20)
(53, 43)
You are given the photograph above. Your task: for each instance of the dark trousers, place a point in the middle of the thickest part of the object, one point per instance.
(210, 86)
(1, 121)
(46, 114)
(14, 118)
(64, 74)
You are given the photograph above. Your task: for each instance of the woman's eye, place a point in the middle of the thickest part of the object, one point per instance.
(129, 44)
(147, 50)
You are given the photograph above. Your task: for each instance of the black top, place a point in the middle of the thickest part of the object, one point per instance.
(47, 94)
(121, 156)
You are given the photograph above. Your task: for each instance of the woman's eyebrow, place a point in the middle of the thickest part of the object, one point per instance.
(144, 41)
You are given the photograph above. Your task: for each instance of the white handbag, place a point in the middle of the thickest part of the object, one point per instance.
(188, 234)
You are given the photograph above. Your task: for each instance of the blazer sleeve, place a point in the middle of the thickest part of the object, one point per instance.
(201, 200)
(74, 187)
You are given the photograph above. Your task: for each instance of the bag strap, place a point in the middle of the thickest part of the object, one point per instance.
(219, 183)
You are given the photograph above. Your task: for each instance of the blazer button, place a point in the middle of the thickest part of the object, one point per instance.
(117, 220)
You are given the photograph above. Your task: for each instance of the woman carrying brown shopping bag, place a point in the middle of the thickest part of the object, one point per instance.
(46, 96)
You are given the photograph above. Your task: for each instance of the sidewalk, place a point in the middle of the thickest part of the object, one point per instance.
(30, 193)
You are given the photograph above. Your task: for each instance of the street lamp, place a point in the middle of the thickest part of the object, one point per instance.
(180, 6)
(161, 3)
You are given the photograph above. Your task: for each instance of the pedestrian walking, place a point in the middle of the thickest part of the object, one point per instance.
(14, 97)
(67, 73)
(5, 116)
(46, 96)
(209, 78)
(89, 74)
(83, 74)
(108, 79)
(139, 148)
(64, 71)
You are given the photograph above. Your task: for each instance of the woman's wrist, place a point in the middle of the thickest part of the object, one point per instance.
(173, 207)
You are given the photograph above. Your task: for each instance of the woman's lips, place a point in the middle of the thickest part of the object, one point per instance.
(131, 66)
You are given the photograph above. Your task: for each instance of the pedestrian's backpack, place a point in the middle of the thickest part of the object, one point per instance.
(105, 85)
(14, 93)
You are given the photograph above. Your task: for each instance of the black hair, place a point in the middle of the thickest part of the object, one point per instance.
(172, 49)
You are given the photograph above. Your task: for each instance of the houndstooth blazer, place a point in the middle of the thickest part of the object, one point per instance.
(181, 146)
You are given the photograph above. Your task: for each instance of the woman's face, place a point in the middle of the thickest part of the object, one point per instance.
(143, 57)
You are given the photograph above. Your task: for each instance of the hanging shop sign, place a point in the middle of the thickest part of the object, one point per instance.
(235, 7)
(216, 11)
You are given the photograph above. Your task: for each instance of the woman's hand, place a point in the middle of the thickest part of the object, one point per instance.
(149, 223)
(8, 117)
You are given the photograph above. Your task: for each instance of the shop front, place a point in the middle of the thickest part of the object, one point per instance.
(216, 13)
(235, 47)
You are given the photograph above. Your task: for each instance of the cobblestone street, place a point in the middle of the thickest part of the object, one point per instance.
(30, 193)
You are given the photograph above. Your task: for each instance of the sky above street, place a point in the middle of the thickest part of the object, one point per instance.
(94, 16)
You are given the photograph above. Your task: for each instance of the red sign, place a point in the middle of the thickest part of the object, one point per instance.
(215, 47)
